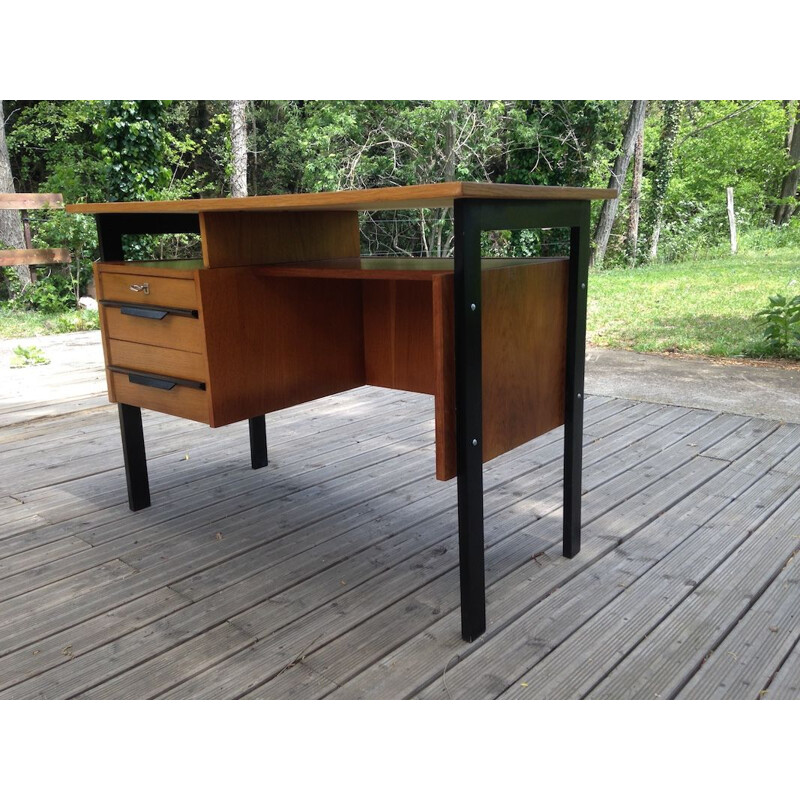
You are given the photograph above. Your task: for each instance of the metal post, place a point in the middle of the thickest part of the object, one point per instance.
(470, 218)
(109, 237)
(469, 419)
(574, 391)
(258, 442)
(130, 425)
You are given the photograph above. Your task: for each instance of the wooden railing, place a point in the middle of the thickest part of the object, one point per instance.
(24, 203)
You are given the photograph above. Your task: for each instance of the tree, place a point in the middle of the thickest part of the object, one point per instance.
(17, 278)
(662, 173)
(238, 148)
(608, 213)
(632, 236)
(788, 204)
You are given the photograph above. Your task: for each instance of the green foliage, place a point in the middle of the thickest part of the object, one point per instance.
(18, 323)
(28, 356)
(132, 147)
(82, 319)
(770, 237)
(781, 323)
(53, 148)
(720, 144)
(118, 150)
(51, 294)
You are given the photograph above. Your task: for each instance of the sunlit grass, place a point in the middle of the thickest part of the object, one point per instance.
(703, 307)
(19, 324)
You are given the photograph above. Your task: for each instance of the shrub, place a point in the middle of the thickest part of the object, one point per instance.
(51, 293)
(781, 321)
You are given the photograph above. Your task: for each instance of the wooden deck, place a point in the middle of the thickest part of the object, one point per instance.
(333, 571)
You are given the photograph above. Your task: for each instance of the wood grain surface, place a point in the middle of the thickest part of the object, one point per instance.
(434, 195)
(252, 237)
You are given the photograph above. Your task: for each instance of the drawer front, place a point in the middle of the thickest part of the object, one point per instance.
(180, 401)
(158, 360)
(172, 331)
(144, 290)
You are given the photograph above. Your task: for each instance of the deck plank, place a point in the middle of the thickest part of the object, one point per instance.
(207, 613)
(785, 684)
(417, 663)
(743, 664)
(673, 652)
(335, 572)
(371, 608)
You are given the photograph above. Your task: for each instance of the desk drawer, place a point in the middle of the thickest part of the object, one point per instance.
(180, 401)
(158, 360)
(172, 330)
(144, 290)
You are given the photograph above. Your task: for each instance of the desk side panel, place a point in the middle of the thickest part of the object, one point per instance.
(524, 353)
(276, 342)
(524, 326)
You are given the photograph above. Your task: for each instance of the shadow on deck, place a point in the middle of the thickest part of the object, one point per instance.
(333, 571)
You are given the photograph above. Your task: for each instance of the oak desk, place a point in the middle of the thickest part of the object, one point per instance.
(282, 309)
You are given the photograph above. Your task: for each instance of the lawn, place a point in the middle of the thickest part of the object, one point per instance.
(702, 307)
(19, 324)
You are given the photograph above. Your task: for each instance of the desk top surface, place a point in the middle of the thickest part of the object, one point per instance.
(432, 195)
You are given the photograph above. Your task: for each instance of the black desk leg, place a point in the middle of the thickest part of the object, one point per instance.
(130, 423)
(469, 445)
(258, 442)
(574, 391)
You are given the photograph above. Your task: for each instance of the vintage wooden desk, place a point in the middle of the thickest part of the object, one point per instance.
(282, 309)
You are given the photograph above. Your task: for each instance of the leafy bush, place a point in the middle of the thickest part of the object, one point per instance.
(771, 237)
(781, 321)
(51, 293)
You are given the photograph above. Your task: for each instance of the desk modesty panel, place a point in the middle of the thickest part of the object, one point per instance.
(282, 309)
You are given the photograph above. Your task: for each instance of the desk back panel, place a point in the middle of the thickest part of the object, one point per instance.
(272, 343)
(399, 335)
(244, 238)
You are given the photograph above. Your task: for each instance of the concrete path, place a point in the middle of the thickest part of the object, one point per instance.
(759, 391)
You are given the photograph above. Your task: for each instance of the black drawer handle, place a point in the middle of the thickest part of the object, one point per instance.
(157, 381)
(146, 380)
(149, 312)
(143, 311)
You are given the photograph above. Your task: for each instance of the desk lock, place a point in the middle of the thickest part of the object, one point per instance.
(140, 287)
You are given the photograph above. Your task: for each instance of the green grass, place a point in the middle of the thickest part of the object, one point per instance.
(18, 324)
(701, 307)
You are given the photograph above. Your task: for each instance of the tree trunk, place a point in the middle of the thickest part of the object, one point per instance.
(449, 175)
(662, 174)
(11, 234)
(632, 237)
(608, 213)
(238, 148)
(732, 221)
(784, 210)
